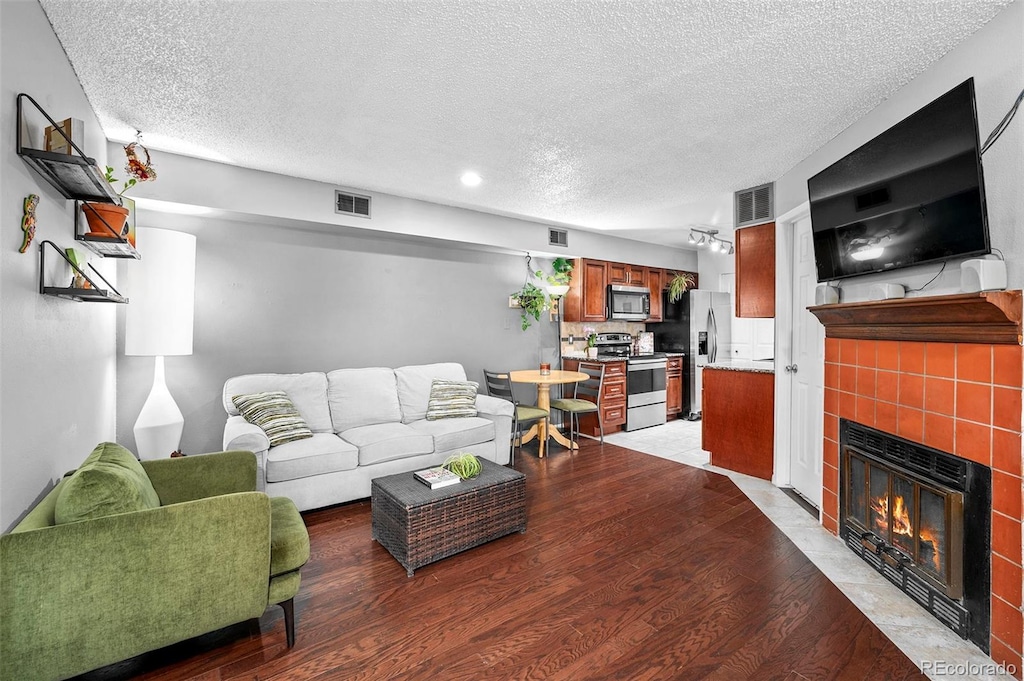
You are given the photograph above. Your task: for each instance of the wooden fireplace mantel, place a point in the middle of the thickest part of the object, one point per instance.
(986, 317)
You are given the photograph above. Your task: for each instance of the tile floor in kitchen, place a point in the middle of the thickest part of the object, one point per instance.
(941, 653)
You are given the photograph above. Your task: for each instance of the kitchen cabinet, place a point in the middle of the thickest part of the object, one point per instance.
(738, 421)
(655, 283)
(674, 387)
(755, 271)
(587, 290)
(613, 399)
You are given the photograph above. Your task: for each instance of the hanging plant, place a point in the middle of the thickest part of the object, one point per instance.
(532, 300)
(679, 285)
(561, 273)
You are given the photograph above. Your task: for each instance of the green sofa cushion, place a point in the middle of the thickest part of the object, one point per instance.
(289, 540)
(111, 480)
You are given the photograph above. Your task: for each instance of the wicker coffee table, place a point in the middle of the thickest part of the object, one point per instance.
(419, 525)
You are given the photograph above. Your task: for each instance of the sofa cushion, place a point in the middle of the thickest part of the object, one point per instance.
(451, 399)
(110, 480)
(275, 414)
(322, 453)
(308, 392)
(289, 540)
(452, 434)
(362, 397)
(388, 441)
(414, 386)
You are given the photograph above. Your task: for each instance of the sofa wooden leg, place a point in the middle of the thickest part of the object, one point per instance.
(289, 620)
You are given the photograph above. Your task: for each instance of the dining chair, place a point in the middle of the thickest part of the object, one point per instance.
(586, 398)
(499, 384)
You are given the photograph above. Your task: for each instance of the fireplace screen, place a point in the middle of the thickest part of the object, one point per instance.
(907, 521)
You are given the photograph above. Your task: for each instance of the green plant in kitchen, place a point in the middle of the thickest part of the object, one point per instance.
(532, 300)
(561, 273)
(679, 285)
(464, 465)
(591, 334)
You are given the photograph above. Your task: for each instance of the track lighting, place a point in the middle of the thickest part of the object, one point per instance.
(714, 242)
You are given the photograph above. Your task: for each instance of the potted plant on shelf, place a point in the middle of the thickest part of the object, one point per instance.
(111, 219)
(679, 285)
(532, 301)
(558, 280)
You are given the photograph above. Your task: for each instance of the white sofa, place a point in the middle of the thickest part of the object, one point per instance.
(366, 423)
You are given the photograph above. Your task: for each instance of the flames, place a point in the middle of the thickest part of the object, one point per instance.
(902, 525)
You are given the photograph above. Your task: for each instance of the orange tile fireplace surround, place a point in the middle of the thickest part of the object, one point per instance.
(945, 372)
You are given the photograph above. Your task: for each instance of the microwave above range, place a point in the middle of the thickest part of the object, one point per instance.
(630, 303)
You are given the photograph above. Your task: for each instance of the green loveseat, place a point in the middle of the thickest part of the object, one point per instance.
(124, 557)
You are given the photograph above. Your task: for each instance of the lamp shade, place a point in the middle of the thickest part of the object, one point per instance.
(161, 289)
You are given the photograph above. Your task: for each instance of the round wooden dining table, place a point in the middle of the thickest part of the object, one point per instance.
(544, 383)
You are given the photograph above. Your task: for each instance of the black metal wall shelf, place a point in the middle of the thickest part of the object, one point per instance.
(82, 295)
(75, 177)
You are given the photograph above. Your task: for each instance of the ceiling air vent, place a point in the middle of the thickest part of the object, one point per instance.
(756, 204)
(558, 237)
(351, 204)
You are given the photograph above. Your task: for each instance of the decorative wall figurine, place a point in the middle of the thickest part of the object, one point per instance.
(28, 221)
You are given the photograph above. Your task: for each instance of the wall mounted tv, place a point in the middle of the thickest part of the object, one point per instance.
(913, 195)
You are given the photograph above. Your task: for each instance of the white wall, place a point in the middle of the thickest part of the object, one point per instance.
(57, 397)
(995, 59)
(274, 299)
(280, 200)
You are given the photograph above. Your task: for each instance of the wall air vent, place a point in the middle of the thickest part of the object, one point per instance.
(351, 204)
(755, 205)
(558, 237)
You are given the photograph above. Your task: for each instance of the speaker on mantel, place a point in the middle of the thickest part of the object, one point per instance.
(826, 294)
(886, 291)
(982, 275)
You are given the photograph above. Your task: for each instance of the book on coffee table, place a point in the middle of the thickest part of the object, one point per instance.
(436, 477)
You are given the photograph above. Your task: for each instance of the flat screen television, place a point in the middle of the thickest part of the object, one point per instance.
(913, 195)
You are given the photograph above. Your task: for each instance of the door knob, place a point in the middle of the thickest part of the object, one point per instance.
(791, 368)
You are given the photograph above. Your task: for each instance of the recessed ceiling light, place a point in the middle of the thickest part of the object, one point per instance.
(471, 179)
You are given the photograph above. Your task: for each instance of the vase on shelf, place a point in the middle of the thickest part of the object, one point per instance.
(106, 219)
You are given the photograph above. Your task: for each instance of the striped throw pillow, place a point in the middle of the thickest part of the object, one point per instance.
(275, 414)
(451, 399)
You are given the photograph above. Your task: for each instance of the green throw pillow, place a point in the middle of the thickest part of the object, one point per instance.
(273, 412)
(451, 399)
(111, 480)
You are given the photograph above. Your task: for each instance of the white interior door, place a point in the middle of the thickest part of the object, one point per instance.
(806, 371)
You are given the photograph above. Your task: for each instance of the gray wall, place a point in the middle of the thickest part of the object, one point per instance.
(276, 299)
(57, 397)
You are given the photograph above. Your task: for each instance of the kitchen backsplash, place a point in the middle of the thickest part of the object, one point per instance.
(575, 330)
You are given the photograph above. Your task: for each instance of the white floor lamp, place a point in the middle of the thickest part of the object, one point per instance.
(158, 323)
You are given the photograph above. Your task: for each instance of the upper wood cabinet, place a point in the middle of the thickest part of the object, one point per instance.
(755, 271)
(655, 283)
(626, 274)
(587, 290)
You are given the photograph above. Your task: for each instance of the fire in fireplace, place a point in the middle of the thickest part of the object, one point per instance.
(915, 514)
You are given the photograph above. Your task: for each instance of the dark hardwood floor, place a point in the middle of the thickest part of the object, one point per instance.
(632, 567)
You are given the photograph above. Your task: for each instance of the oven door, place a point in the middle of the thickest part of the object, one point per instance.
(628, 302)
(645, 382)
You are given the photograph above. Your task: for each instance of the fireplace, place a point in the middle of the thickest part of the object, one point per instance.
(920, 517)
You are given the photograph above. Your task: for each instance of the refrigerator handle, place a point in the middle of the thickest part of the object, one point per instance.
(712, 336)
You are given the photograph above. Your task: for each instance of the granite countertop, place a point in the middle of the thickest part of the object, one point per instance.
(755, 366)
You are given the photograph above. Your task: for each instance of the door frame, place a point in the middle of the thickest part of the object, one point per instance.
(782, 473)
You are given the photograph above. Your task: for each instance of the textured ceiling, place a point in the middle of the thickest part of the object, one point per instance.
(635, 118)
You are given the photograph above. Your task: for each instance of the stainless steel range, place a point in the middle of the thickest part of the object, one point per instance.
(645, 391)
(645, 380)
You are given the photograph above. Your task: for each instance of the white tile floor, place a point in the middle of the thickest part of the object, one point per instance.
(939, 652)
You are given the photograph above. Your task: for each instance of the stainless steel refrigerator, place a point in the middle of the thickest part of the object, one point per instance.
(699, 326)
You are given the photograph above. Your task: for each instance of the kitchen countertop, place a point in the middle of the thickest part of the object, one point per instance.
(755, 366)
(584, 358)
